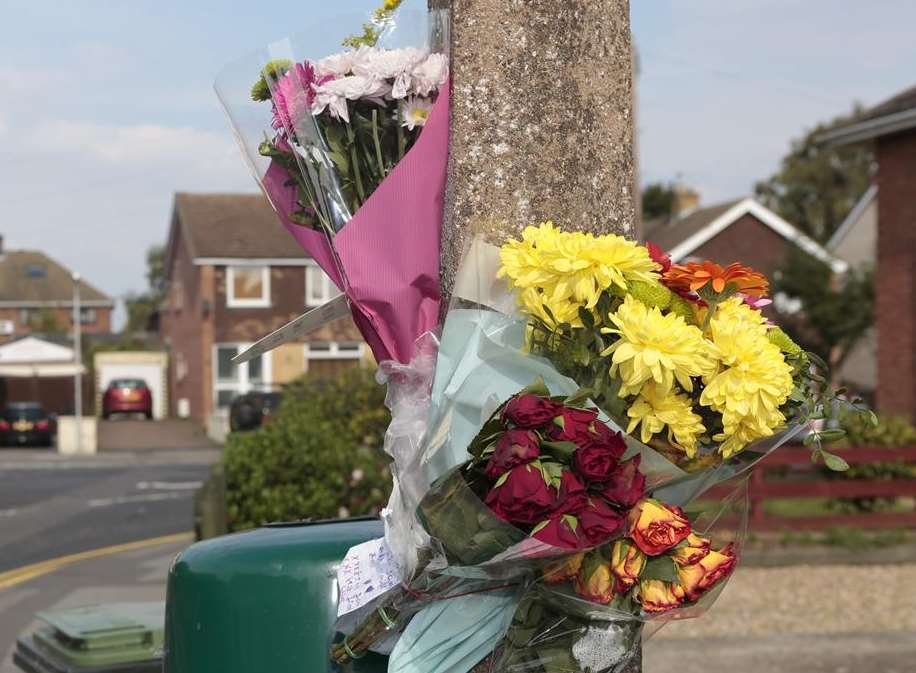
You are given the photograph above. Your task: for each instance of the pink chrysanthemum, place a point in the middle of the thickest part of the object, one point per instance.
(293, 95)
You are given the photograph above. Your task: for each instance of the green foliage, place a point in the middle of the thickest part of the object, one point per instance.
(658, 200)
(143, 307)
(273, 71)
(44, 321)
(835, 311)
(817, 186)
(319, 457)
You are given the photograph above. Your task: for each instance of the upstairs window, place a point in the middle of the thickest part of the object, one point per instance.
(318, 286)
(248, 286)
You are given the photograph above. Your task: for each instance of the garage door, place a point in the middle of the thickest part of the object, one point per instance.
(152, 374)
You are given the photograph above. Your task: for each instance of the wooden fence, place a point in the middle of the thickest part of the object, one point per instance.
(789, 473)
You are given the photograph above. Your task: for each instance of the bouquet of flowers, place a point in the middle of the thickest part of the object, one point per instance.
(350, 149)
(567, 508)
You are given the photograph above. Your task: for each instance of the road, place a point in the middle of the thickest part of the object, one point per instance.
(51, 506)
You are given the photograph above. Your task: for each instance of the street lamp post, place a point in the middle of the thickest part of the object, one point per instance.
(78, 359)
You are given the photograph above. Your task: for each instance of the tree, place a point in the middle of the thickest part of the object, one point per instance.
(143, 308)
(44, 321)
(830, 313)
(817, 185)
(658, 200)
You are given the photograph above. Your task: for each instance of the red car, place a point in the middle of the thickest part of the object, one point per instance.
(127, 396)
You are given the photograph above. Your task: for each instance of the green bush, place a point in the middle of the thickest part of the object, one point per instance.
(891, 432)
(319, 457)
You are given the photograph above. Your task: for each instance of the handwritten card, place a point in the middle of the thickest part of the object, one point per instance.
(367, 571)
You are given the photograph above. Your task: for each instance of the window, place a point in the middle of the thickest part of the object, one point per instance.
(87, 316)
(25, 317)
(36, 270)
(248, 286)
(181, 367)
(177, 293)
(232, 380)
(334, 350)
(318, 286)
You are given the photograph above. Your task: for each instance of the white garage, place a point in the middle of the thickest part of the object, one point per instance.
(151, 366)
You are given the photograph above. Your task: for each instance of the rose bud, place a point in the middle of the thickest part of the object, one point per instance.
(700, 577)
(564, 569)
(523, 497)
(514, 447)
(627, 563)
(560, 531)
(660, 596)
(656, 527)
(691, 550)
(627, 485)
(573, 494)
(530, 411)
(595, 463)
(598, 522)
(594, 581)
(573, 425)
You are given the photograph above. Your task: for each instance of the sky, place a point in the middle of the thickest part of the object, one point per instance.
(107, 108)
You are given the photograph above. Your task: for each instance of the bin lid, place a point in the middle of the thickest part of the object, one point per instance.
(104, 634)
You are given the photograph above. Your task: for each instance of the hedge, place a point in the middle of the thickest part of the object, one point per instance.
(319, 457)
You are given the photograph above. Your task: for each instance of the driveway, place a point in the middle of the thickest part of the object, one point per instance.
(127, 434)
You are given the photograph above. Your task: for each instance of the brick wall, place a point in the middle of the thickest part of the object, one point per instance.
(895, 277)
(748, 241)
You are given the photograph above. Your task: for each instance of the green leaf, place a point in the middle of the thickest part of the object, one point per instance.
(832, 435)
(538, 388)
(810, 439)
(578, 397)
(571, 521)
(539, 527)
(834, 462)
(501, 480)
(660, 568)
(561, 450)
(586, 317)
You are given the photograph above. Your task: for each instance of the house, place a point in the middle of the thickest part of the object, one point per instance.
(42, 370)
(742, 230)
(890, 128)
(233, 275)
(36, 295)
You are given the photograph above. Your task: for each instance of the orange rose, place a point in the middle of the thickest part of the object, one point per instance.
(627, 562)
(700, 577)
(564, 569)
(660, 596)
(691, 550)
(656, 527)
(595, 581)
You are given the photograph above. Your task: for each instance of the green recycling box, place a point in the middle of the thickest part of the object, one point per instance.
(112, 638)
(263, 601)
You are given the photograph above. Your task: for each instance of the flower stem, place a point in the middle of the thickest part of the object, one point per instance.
(402, 141)
(354, 160)
(378, 145)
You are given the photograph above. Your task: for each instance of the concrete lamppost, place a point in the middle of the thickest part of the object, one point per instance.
(78, 360)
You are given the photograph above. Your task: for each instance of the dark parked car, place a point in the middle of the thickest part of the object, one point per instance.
(250, 410)
(127, 396)
(26, 424)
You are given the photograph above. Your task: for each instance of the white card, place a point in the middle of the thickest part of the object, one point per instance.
(367, 571)
(305, 323)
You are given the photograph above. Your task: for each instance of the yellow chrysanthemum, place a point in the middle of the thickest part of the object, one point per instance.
(655, 347)
(572, 269)
(653, 412)
(754, 380)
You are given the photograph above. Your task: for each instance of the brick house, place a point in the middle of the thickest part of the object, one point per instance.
(233, 275)
(742, 230)
(891, 128)
(37, 292)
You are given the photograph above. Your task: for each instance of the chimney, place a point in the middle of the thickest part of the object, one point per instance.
(686, 200)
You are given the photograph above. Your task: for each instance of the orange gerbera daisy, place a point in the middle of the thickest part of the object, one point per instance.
(697, 275)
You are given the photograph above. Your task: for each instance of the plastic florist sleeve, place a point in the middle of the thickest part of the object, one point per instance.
(349, 144)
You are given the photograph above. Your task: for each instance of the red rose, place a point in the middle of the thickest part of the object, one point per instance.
(573, 494)
(573, 425)
(559, 533)
(523, 498)
(530, 411)
(596, 461)
(598, 522)
(514, 447)
(627, 484)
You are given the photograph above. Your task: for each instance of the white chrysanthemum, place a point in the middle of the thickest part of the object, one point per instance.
(334, 95)
(391, 64)
(415, 111)
(429, 75)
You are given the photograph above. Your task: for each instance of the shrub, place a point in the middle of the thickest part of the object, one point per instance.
(319, 457)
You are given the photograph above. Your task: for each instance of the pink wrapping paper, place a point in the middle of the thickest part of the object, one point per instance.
(386, 258)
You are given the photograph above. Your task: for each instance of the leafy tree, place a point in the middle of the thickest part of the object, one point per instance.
(833, 312)
(658, 200)
(143, 308)
(817, 185)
